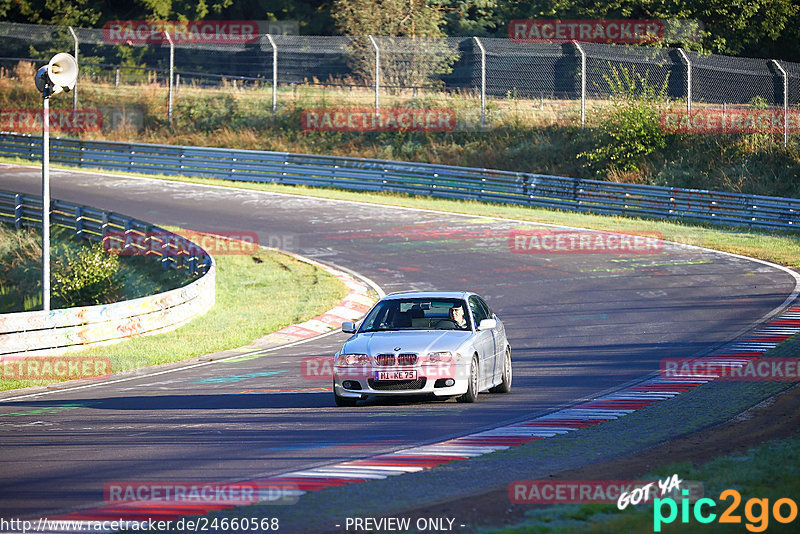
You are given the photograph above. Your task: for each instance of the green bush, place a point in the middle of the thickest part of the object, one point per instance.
(630, 129)
(85, 276)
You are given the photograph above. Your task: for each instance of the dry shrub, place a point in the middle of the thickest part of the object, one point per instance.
(25, 70)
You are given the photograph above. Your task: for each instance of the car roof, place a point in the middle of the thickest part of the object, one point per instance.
(429, 294)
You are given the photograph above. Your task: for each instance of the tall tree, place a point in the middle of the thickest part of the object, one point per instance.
(410, 36)
(407, 18)
(763, 28)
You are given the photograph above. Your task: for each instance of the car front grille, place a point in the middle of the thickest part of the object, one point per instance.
(396, 385)
(406, 359)
(384, 359)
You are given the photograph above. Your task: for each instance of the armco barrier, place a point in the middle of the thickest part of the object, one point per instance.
(60, 330)
(415, 178)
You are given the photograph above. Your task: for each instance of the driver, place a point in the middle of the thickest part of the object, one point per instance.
(457, 315)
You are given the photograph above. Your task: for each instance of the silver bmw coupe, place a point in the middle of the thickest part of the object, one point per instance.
(447, 344)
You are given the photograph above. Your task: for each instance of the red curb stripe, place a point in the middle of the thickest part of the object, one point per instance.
(608, 405)
(511, 441)
(447, 457)
(578, 423)
(297, 331)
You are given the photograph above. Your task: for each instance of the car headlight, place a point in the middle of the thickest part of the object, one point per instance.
(352, 360)
(441, 356)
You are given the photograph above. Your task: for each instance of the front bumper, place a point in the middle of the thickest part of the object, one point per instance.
(355, 382)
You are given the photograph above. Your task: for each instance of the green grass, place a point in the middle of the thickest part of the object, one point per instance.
(19, 252)
(255, 295)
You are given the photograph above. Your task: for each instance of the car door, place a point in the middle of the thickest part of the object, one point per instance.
(498, 348)
(484, 343)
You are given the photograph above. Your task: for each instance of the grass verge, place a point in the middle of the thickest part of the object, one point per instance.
(255, 295)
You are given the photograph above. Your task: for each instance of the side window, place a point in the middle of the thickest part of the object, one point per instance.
(486, 308)
(478, 312)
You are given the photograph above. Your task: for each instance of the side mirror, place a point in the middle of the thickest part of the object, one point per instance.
(349, 327)
(488, 324)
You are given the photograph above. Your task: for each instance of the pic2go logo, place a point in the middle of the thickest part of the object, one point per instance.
(756, 511)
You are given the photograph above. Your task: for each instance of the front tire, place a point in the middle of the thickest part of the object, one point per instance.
(472, 389)
(505, 385)
(344, 401)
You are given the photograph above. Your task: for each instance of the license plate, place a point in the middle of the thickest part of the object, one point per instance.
(396, 375)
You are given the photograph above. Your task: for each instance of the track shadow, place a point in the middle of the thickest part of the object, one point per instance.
(189, 402)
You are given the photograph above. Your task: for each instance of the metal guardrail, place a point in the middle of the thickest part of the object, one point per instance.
(443, 181)
(59, 330)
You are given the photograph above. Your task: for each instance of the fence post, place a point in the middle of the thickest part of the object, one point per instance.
(785, 101)
(583, 82)
(274, 73)
(74, 89)
(171, 68)
(483, 80)
(377, 74)
(688, 79)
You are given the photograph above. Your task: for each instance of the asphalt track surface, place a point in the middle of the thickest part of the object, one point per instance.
(579, 324)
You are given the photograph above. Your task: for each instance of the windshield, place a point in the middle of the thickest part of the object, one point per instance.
(417, 314)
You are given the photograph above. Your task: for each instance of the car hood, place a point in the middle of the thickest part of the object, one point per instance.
(419, 341)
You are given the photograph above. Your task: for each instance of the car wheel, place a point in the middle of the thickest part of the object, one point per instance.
(472, 389)
(505, 385)
(344, 401)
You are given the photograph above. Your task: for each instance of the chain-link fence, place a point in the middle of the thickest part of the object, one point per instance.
(490, 72)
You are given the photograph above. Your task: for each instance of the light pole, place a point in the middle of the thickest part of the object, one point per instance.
(58, 75)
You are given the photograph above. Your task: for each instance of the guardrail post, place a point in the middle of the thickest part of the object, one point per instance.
(785, 101)
(483, 80)
(126, 245)
(274, 73)
(17, 211)
(74, 89)
(377, 74)
(171, 69)
(583, 82)
(78, 221)
(688, 79)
